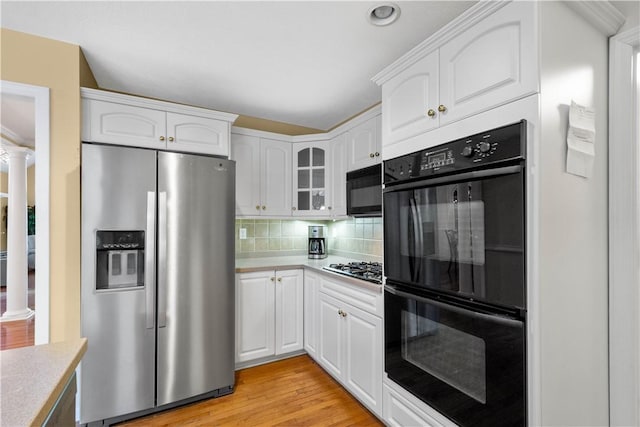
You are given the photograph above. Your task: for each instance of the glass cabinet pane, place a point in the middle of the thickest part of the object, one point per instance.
(303, 158)
(318, 157)
(317, 200)
(303, 178)
(303, 200)
(318, 178)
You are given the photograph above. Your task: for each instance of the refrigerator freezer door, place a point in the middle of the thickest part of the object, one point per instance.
(196, 290)
(117, 373)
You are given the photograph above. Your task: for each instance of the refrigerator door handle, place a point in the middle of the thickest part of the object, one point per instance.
(162, 259)
(150, 255)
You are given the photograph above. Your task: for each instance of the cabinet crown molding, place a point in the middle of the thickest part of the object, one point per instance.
(118, 98)
(600, 14)
(459, 25)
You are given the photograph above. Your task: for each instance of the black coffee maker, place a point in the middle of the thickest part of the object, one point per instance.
(317, 243)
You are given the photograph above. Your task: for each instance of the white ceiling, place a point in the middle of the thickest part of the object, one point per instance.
(306, 63)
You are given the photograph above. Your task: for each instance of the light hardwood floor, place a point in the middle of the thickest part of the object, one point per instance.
(291, 392)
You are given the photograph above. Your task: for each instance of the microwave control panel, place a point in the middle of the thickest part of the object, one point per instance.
(487, 148)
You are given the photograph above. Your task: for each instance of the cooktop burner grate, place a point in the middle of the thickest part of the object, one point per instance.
(369, 271)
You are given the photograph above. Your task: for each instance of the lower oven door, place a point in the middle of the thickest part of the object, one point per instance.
(468, 365)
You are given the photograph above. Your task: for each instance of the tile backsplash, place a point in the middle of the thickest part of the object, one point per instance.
(359, 238)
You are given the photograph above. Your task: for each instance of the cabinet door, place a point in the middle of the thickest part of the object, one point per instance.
(331, 340)
(197, 134)
(124, 125)
(407, 99)
(289, 311)
(363, 368)
(490, 64)
(311, 180)
(245, 150)
(255, 320)
(339, 165)
(275, 181)
(364, 144)
(311, 311)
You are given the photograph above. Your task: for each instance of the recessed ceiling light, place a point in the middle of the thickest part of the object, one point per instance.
(383, 14)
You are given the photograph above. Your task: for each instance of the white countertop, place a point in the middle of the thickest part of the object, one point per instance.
(33, 378)
(246, 265)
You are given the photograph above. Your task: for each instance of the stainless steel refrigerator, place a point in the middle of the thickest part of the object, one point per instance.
(157, 279)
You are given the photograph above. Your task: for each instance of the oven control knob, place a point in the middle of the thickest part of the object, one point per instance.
(467, 151)
(485, 147)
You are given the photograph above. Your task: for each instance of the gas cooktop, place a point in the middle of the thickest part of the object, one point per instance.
(369, 271)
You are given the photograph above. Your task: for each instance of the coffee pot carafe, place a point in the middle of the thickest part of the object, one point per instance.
(317, 243)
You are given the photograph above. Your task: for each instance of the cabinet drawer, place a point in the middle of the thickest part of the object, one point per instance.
(361, 298)
(400, 410)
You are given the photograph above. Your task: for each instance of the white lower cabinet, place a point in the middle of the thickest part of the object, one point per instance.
(311, 311)
(401, 408)
(269, 313)
(349, 347)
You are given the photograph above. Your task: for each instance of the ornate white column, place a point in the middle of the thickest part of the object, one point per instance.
(17, 279)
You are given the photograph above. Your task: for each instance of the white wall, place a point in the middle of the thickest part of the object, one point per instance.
(573, 254)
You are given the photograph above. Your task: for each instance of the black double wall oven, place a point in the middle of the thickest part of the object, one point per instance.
(455, 292)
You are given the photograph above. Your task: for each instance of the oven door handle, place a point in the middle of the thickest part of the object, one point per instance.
(467, 176)
(418, 242)
(495, 318)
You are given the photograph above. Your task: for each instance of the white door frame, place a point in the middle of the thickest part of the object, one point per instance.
(624, 231)
(40, 97)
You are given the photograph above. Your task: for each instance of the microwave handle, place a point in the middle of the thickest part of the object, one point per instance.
(467, 176)
(464, 311)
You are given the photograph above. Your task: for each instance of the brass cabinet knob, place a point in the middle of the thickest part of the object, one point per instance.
(264, 207)
(162, 138)
(339, 312)
(279, 279)
(442, 108)
(343, 314)
(272, 278)
(293, 208)
(371, 155)
(431, 112)
(258, 207)
(377, 154)
(170, 139)
(329, 207)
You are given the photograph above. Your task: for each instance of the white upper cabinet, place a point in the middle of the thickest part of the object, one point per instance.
(263, 175)
(410, 101)
(311, 179)
(197, 134)
(339, 164)
(491, 63)
(245, 150)
(364, 144)
(124, 125)
(113, 118)
(275, 177)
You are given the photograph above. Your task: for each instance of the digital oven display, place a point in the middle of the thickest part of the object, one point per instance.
(437, 158)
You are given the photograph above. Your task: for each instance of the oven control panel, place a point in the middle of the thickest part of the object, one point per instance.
(495, 146)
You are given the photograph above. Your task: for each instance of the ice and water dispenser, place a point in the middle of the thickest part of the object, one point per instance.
(119, 259)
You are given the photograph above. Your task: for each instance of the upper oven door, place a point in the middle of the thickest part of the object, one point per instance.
(462, 234)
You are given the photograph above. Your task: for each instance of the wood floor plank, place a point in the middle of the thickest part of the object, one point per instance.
(290, 392)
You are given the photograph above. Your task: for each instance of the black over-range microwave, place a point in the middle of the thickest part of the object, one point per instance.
(364, 191)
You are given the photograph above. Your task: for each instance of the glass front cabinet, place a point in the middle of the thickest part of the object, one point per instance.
(311, 179)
